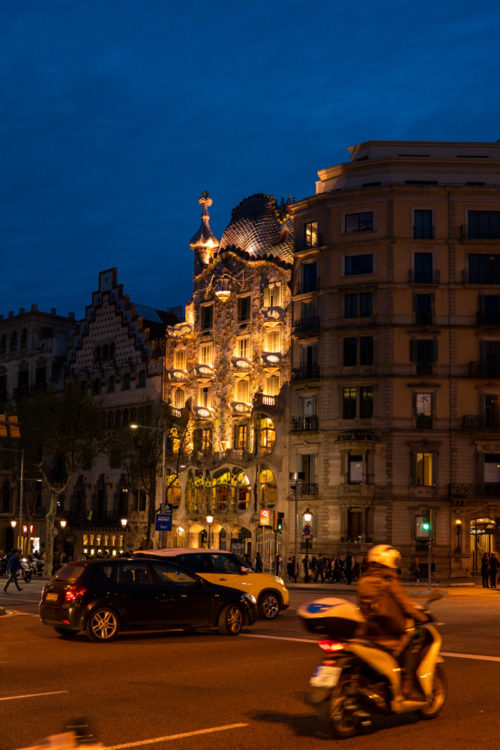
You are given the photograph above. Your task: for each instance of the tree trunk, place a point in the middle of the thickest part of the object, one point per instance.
(50, 520)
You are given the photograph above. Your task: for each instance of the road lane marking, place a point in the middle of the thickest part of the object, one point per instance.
(278, 638)
(170, 737)
(453, 654)
(32, 695)
(478, 657)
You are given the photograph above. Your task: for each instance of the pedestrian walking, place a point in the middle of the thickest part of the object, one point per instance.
(258, 563)
(13, 566)
(485, 569)
(493, 570)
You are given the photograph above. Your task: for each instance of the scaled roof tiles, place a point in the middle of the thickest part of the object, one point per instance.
(261, 228)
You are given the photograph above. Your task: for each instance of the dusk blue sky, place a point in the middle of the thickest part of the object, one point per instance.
(117, 114)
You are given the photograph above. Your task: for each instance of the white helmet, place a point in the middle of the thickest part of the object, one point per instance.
(384, 554)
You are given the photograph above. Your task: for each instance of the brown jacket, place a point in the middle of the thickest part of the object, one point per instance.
(385, 606)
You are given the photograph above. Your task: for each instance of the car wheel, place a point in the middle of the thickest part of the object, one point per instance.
(69, 634)
(230, 620)
(269, 605)
(102, 625)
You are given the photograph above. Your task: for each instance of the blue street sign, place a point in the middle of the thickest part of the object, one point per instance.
(163, 522)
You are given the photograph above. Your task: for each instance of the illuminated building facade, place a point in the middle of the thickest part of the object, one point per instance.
(229, 362)
(396, 351)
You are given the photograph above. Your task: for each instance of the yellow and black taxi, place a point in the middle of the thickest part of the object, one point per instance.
(227, 569)
(102, 597)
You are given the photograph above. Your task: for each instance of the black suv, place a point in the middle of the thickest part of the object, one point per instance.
(102, 597)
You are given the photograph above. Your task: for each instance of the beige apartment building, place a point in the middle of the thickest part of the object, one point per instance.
(396, 352)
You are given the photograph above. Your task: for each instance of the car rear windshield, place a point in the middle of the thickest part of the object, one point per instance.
(69, 572)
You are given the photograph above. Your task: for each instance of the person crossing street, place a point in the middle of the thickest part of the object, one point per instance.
(13, 566)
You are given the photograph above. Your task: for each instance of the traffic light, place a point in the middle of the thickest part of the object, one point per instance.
(278, 520)
(423, 525)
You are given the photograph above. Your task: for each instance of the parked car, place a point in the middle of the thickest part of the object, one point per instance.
(103, 597)
(227, 569)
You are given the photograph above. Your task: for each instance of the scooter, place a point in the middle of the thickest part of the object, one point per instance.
(358, 679)
(25, 570)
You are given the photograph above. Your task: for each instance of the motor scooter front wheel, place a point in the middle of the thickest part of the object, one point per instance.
(439, 690)
(339, 714)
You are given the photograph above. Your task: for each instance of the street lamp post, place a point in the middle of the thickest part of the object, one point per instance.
(210, 520)
(124, 522)
(306, 530)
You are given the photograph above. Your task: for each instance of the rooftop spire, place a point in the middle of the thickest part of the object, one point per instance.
(204, 237)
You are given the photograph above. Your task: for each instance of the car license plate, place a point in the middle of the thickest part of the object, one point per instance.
(326, 677)
(51, 597)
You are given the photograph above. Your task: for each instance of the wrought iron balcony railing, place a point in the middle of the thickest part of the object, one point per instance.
(305, 424)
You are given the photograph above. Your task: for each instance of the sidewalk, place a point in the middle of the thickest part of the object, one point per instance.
(344, 587)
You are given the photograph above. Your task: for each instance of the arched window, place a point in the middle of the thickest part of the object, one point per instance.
(13, 341)
(266, 435)
(24, 338)
(242, 492)
(173, 487)
(126, 382)
(97, 386)
(141, 379)
(268, 493)
(221, 491)
(3, 343)
(111, 384)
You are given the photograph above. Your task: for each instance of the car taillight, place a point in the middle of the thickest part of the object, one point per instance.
(74, 592)
(331, 646)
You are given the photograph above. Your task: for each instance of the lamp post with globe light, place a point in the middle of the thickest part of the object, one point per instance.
(210, 520)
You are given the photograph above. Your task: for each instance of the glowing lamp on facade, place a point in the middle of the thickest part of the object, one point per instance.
(203, 412)
(63, 523)
(13, 524)
(242, 364)
(124, 522)
(205, 370)
(272, 359)
(222, 291)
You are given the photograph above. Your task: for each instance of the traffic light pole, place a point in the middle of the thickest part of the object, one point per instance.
(429, 552)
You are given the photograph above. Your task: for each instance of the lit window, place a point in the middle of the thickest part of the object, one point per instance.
(266, 435)
(311, 237)
(424, 469)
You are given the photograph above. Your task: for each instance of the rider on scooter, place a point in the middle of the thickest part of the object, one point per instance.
(386, 606)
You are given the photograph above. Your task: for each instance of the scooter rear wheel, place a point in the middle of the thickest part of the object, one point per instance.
(439, 689)
(339, 714)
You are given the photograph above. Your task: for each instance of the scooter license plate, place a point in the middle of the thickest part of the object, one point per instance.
(326, 677)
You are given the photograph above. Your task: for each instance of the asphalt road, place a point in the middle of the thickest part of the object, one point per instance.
(205, 691)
